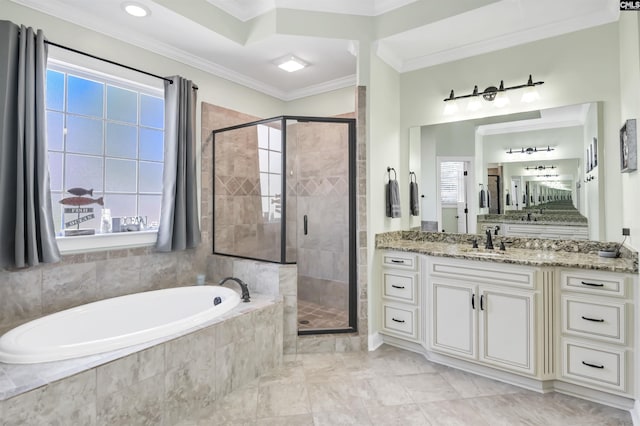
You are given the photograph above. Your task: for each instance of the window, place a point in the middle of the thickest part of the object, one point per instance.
(106, 144)
(451, 182)
(270, 163)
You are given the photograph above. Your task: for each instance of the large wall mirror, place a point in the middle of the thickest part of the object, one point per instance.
(534, 173)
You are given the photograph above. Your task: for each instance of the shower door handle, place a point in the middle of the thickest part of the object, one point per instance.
(306, 224)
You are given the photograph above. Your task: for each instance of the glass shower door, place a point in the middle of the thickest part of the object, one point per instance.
(320, 157)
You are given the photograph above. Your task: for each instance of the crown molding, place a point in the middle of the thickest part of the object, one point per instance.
(553, 29)
(53, 7)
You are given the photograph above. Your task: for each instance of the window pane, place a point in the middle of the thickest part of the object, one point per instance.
(122, 105)
(55, 170)
(82, 171)
(275, 139)
(54, 130)
(263, 160)
(57, 210)
(121, 141)
(275, 185)
(55, 90)
(263, 136)
(151, 145)
(120, 176)
(275, 162)
(264, 184)
(84, 135)
(150, 177)
(84, 96)
(151, 111)
(121, 205)
(150, 207)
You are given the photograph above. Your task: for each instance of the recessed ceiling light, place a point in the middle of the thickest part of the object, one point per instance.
(136, 9)
(290, 63)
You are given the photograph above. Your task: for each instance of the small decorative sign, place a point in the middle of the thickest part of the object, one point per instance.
(81, 197)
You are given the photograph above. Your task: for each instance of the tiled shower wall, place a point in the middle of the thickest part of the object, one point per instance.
(241, 228)
(322, 172)
(215, 117)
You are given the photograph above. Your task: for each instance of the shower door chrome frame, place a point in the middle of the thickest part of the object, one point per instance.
(353, 259)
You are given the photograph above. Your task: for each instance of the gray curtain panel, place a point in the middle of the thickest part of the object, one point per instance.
(27, 234)
(179, 227)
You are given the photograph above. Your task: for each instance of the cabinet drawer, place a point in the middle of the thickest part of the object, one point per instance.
(593, 283)
(401, 287)
(594, 319)
(399, 260)
(600, 366)
(401, 321)
(483, 272)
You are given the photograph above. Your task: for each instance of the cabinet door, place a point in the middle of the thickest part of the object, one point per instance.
(507, 329)
(453, 318)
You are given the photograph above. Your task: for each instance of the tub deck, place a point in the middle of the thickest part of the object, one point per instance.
(17, 379)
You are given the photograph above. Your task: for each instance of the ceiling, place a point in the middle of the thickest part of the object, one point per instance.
(239, 40)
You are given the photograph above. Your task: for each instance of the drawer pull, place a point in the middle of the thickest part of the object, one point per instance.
(473, 301)
(592, 319)
(481, 304)
(592, 365)
(397, 320)
(592, 284)
(397, 286)
(397, 261)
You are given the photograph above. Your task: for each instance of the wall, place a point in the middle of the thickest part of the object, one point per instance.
(630, 108)
(383, 150)
(578, 67)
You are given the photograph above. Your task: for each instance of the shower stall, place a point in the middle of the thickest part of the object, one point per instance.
(284, 192)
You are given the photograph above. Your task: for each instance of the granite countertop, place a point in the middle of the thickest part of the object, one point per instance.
(535, 222)
(520, 251)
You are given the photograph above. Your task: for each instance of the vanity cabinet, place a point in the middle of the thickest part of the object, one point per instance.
(401, 313)
(483, 315)
(596, 310)
(531, 230)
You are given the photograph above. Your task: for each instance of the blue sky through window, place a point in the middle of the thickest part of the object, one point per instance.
(106, 138)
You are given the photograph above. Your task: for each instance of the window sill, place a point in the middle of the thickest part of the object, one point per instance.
(101, 242)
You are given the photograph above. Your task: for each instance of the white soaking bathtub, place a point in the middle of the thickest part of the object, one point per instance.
(115, 323)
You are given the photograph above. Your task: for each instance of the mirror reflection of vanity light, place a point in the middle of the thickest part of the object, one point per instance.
(488, 140)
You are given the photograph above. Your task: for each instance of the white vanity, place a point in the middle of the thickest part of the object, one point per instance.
(537, 319)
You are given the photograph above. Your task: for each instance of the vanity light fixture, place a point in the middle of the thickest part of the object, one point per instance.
(291, 63)
(530, 150)
(136, 9)
(540, 167)
(498, 94)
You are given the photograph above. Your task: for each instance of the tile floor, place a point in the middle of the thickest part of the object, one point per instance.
(393, 387)
(313, 316)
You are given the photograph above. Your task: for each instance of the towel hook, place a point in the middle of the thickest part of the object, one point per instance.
(413, 177)
(394, 172)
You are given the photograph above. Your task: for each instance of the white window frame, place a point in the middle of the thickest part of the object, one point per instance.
(127, 79)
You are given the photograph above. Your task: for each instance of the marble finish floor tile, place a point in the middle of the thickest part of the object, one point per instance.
(393, 387)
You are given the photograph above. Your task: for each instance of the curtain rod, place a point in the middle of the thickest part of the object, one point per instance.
(80, 52)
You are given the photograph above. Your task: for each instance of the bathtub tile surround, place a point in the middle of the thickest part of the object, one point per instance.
(88, 277)
(70, 401)
(160, 384)
(263, 278)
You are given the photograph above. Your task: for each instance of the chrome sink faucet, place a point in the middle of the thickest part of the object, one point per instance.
(243, 286)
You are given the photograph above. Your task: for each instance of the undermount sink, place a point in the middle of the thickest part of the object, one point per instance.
(480, 251)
